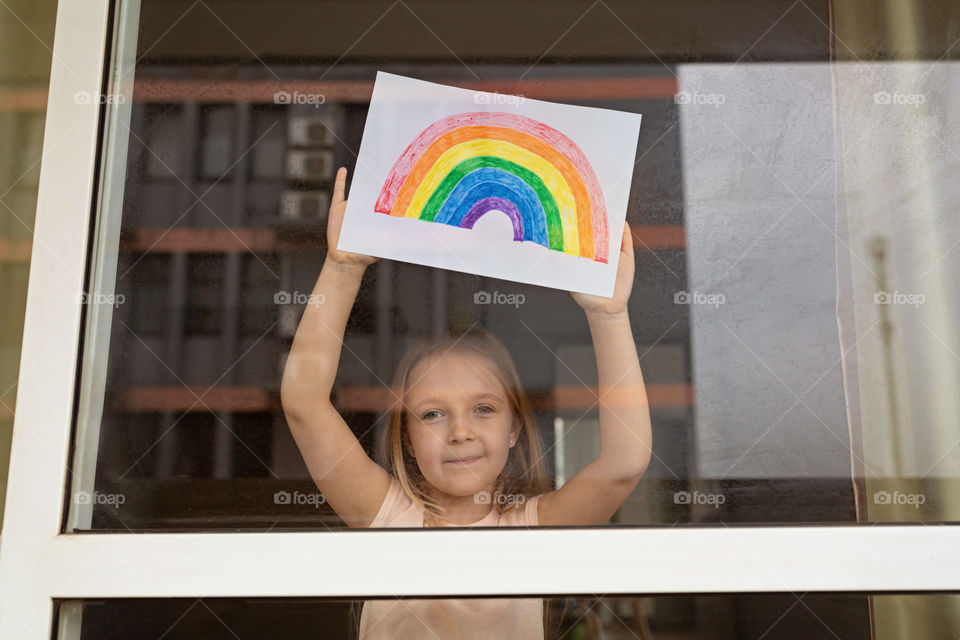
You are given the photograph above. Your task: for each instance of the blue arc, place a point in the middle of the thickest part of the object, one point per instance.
(490, 182)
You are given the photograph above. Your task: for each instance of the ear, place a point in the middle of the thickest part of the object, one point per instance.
(515, 432)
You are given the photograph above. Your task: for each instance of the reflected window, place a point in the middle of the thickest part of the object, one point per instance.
(203, 313)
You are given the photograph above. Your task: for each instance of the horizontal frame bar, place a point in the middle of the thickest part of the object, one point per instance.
(509, 561)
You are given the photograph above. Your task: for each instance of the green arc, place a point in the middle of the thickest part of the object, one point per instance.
(547, 201)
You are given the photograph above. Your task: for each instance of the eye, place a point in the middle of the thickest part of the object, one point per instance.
(485, 408)
(430, 415)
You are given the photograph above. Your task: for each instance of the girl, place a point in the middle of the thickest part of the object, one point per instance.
(461, 446)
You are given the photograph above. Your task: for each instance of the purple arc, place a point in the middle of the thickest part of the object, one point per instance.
(489, 204)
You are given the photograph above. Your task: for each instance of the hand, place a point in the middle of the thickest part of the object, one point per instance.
(621, 292)
(335, 220)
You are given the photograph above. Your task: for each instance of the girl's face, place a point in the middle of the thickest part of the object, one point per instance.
(460, 423)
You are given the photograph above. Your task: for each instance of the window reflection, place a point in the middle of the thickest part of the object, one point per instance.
(765, 408)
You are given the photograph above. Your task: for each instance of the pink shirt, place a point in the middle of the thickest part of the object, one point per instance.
(443, 619)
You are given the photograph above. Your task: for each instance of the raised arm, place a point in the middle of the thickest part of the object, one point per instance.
(352, 483)
(594, 494)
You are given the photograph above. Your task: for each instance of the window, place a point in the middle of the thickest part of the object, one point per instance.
(791, 206)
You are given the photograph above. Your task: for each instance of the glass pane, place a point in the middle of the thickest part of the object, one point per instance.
(25, 61)
(764, 616)
(794, 244)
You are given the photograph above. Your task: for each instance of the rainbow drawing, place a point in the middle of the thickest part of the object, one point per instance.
(465, 165)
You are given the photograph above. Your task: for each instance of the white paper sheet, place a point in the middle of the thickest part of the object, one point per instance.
(554, 165)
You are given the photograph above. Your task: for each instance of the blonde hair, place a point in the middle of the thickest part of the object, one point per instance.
(524, 472)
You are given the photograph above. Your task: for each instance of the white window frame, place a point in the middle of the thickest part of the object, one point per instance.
(40, 563)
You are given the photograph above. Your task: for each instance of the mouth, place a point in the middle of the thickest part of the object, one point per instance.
(464, 461)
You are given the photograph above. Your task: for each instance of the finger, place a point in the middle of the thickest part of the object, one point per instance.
(340, 185)
(627, 243)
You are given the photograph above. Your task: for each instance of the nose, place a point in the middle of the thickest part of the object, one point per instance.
(460, 429)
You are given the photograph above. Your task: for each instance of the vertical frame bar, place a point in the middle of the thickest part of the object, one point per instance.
(102, 299)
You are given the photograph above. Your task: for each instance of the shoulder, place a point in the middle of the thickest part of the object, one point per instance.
(522, 514)
(397, 510)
